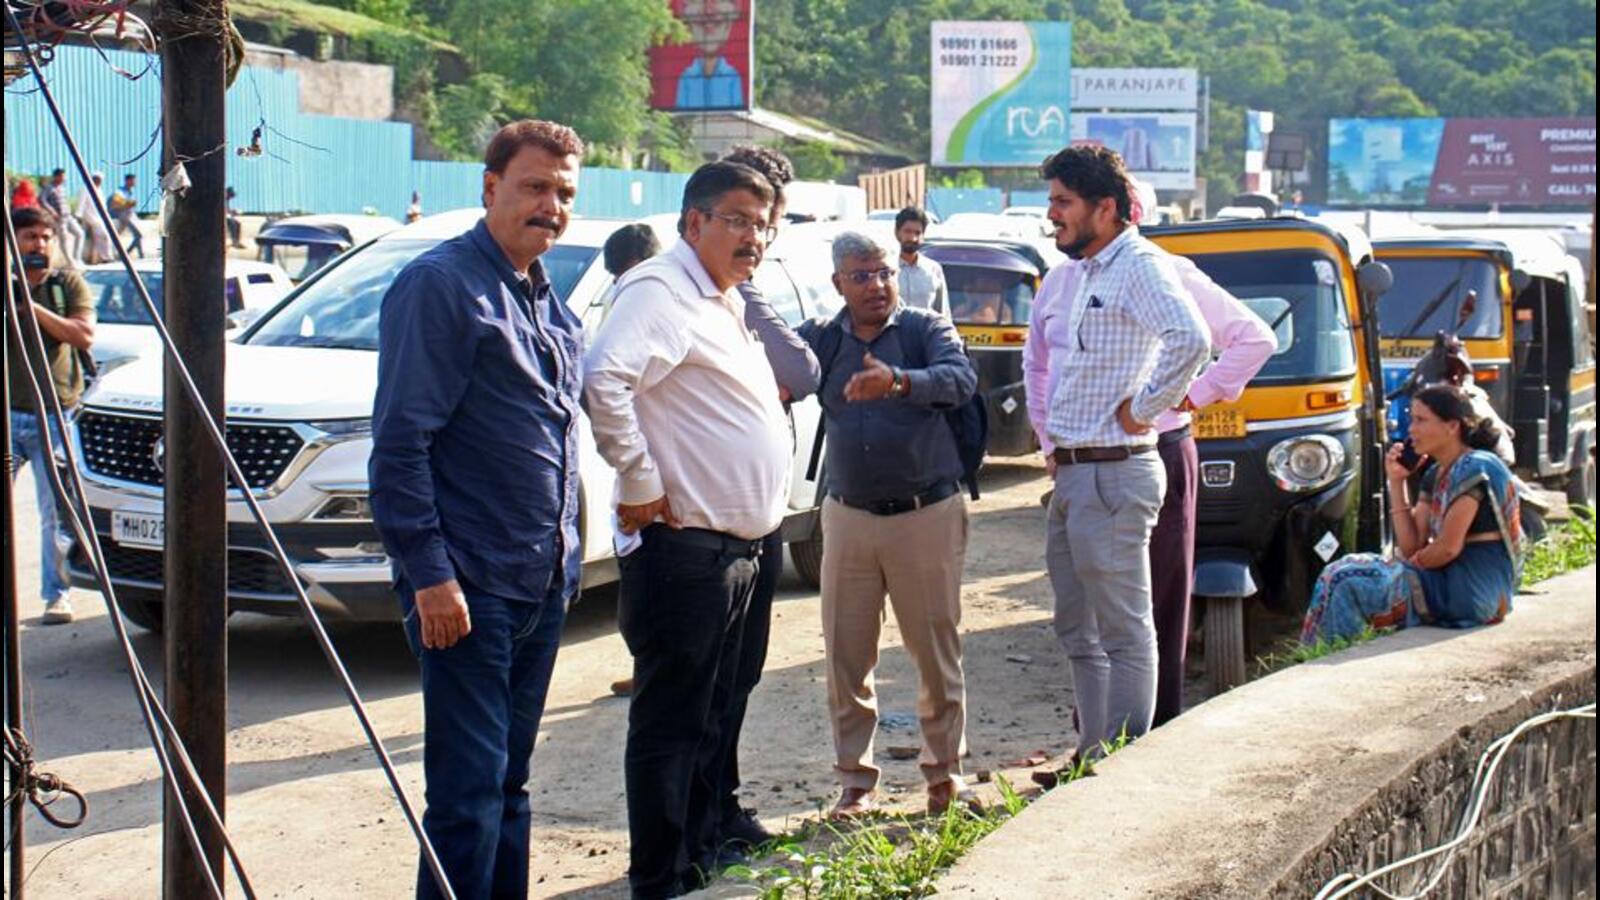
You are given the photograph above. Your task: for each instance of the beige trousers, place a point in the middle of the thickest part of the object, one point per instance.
(916, 559)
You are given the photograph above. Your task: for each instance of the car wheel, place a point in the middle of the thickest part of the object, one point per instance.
(1224, 643)
(142, 608)
(807, 556)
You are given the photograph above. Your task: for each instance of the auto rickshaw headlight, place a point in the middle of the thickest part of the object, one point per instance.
(1306, 463)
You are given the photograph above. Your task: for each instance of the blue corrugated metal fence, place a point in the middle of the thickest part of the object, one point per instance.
(308, 163)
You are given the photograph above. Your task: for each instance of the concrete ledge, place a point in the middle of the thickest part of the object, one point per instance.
(1252, 793)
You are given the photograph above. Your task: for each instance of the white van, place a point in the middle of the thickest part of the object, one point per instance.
(299, 404)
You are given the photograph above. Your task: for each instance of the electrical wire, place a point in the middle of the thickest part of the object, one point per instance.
(192, 392)
(150, 706)
(1488, 764)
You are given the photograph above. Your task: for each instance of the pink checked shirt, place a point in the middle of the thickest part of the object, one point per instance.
(1242, 341)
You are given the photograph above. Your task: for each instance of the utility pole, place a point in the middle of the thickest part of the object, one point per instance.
(17, 804)
(194, 36)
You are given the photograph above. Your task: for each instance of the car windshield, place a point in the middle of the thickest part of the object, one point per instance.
(116, 300)
(1298, 294)
(340, 307)
(1459, 295)
(983, 296)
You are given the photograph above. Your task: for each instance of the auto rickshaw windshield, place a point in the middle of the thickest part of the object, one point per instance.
(1456, 295)
(301, 261)
(1299, 294)
(980, 296)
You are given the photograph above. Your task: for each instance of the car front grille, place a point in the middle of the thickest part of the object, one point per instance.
(249, 571)
(129, 448)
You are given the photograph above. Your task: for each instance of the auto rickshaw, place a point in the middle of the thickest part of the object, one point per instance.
(1290, 474)
(1515, 300)
(992, 285)
(301, 245)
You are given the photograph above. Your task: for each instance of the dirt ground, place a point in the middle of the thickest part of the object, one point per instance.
(313, 815)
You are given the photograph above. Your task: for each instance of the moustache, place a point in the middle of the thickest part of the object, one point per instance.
(746, 253)
(542, 222)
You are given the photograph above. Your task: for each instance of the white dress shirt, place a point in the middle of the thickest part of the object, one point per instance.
(922, 285)
(1134, 332)
(683, 401)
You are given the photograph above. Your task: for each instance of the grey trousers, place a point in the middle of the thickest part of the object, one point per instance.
(1097, 552)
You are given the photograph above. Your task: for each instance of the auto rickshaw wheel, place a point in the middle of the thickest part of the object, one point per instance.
(807, 556)
(1224, 643)
(1580, 484)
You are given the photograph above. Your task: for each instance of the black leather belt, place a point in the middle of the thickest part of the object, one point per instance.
(1169, 438)
(706, 539)
(896, 506)
(1099, 454)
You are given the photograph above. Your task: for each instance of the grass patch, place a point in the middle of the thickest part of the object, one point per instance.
(889, 856)
(329, 19)
(1292, 653)
(1564, 549)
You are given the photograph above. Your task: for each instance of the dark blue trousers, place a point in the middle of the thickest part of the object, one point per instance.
(482, 700)
(681, 608)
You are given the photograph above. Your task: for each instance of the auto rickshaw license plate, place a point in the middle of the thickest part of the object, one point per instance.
(1218, 423)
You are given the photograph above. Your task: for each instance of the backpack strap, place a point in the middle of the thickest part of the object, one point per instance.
(828, 341)
(829, 338)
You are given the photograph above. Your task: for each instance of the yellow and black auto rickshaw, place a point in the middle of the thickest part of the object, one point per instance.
(1515, 299)
(1290, 474)
(992, 286)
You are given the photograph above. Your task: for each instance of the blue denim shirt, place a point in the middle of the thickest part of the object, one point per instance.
(897, 447)
(474, 466)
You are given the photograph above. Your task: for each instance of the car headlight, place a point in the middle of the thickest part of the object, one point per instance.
(344, 429)
(1306, 463)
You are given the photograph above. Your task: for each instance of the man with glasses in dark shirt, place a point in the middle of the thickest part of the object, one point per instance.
(894, 522)
(474, 474)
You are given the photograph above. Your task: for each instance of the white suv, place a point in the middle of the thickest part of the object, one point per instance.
(299, 403)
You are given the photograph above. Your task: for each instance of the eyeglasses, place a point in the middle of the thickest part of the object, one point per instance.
(739, 224)
(867, 276)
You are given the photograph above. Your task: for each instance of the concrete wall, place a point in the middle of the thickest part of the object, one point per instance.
(1536, 837)
(1336, 765)
(351, 90)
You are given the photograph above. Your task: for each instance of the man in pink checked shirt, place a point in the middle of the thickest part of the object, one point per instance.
(1241, 343)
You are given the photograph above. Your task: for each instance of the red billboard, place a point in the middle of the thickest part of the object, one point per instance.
(1517, 162)
(712, 71)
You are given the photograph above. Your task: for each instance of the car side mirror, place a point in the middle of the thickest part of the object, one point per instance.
(1374, 278)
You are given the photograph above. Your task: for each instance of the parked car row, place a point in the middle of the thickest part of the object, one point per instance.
(299, 384)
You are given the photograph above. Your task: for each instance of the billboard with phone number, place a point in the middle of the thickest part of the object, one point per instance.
(1461, 162)
(1001, 92)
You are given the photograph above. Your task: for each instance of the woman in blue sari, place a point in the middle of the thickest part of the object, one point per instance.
(1459, 543)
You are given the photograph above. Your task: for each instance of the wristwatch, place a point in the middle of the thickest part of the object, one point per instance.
(897, 386)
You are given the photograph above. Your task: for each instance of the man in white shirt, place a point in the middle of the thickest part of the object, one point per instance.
(921, 280)
(685, 407)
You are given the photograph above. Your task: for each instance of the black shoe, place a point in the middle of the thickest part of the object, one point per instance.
(730, 856)
(743, 831)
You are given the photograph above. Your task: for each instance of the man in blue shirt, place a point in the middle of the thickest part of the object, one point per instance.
(475, 492)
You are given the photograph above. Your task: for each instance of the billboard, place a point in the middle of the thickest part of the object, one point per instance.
(1001, 92)
(713, 70)
(1158, 148)
(1176, 89)
(1461, 162)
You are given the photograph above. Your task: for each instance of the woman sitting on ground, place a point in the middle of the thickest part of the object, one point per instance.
(1459, 543)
